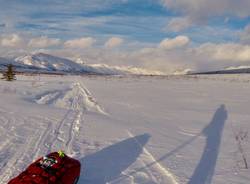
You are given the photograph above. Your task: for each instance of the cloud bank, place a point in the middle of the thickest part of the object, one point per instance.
(80, 43)
(170, 55)
(12, 41)
(174, 43)
(114, 42)
(43, 42)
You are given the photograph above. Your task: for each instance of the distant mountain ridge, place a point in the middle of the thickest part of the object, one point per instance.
(231, 70)
(45, 63)
(48, 62)
(41, 62)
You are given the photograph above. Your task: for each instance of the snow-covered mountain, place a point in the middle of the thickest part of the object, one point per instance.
(46, 63)
(41, 62)
(49, 63)
(18, 66)
(105, 69)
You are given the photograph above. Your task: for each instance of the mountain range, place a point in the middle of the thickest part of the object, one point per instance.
(45, 63)
(49, 64)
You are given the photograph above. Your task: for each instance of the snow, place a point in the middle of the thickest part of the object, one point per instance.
(183, 72)
(130, 130)
(45, 63)
(116, 70)
(75, 98)
(238, 67)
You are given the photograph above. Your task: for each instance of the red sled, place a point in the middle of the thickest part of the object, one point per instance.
(55, 168)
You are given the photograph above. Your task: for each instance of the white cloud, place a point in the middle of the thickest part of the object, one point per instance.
(81, 43)
(113, 42)
(169, 56)
(208, 56)
(229, 52)
(174, 43)
(13, 40)
(43, 42)
(178, 24)
(199, 11)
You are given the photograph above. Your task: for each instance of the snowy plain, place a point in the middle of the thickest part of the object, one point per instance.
(130, 130)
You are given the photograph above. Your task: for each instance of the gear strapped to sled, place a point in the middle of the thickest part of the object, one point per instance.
(55, 168)
(47, 162)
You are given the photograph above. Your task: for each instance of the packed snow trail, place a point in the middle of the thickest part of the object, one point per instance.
(27, 138)
(41, 135)
(127, 130)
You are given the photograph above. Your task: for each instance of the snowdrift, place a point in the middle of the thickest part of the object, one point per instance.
(75, 98)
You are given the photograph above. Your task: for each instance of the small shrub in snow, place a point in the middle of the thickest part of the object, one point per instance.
(10, 74)
(240, 138)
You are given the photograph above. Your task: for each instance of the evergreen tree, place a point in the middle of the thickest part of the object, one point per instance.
(10, 74)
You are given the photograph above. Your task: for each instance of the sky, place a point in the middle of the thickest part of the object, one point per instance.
(167, 35)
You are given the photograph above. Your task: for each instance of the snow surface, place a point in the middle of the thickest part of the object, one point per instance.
(44, 61)
(130, 130)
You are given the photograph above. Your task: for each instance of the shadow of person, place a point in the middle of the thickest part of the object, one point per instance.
(108, 163)
(204, 171)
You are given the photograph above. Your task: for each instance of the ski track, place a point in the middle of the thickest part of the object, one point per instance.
(157, 173)
(47, 135)
(64, 133)
(52, 135)
(21, 149)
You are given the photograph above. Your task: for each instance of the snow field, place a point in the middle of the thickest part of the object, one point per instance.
(129, 130)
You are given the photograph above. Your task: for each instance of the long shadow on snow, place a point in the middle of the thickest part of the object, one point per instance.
(213, 132)
(204, 171)
(108, 163)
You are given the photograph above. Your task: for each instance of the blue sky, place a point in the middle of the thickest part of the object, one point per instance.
(138, 25)
(135, 19)
(140, 20)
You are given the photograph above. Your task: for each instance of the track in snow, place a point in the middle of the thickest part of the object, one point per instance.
(44, 135)
(157, 173)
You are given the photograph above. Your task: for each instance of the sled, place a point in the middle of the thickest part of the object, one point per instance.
(55, 168)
